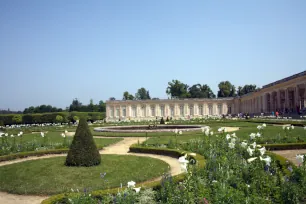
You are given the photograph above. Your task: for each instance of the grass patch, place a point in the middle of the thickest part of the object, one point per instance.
(51, 176)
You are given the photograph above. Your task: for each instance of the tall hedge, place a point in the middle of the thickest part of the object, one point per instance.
(10, 119)
(83, 150)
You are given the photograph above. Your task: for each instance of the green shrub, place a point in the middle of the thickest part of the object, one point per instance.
(83, 150)
(17, 119)
(286, 146)
(59, 119)
(32, 153)
(10, 119)
(162, 122)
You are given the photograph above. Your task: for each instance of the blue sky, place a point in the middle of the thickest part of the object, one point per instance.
(54, 51)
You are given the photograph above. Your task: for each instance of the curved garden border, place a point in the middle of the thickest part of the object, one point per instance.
(168, 129)
(200, 161)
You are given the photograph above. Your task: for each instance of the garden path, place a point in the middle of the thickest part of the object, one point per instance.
(290, 154)
(121, 148)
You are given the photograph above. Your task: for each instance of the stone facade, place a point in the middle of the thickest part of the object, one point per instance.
(288, 94)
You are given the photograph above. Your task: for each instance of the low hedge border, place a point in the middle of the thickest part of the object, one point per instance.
(285, 146)
(199, 161)
(281, 122)
(34, 153)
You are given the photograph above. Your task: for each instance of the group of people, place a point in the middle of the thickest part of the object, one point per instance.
(277, 112)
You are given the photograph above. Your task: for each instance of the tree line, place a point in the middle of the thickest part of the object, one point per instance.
(175, 89)
(76, 105)
(180, 90)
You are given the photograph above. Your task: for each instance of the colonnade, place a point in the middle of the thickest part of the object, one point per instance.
(284, 99)
(147, 109)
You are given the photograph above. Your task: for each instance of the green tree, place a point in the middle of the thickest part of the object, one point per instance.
(177, 89)
(59, 119)
(248, 88)
(76, 105)
(91, 106)
(142, 94)
(83, 150)
(226, 89)
(102, 106)
(17, 119)
(127, 96)
(201, 91)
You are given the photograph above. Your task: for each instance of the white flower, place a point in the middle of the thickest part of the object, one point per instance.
(250, 151)
(300, 159)
(304, 127)
(211, 133)
(231, 145)
(262, 151)
(264, 125)
(183, 160)
(131, 184)
(234, 135)
(12, 135)
(267, 160)
(63, 135)
(228, 136)
(258, 134)
(42, 134)
(244, 144)
(6, 134)
(233, 140)
(254, 145)
(259, 127)
(252, 136)
(207, 132)
(288, 127)
(251, 159)
(137, 189)
(192, 154)
(66, 131)
(292, 127)
(180, 132)
(221, 129)
(184, 167)
(21, 133)
(175, 131)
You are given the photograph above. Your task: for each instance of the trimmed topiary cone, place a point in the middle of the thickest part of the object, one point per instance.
(83, 150)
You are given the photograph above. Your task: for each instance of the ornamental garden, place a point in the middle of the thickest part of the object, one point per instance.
(226, 160)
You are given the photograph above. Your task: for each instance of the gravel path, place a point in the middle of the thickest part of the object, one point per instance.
(121, 148)
(290, 154)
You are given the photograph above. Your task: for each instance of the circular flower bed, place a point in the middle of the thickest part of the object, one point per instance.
(148, 128)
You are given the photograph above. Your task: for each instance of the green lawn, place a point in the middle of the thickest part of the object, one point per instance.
(271, 134)
(51, 176)
(55, 137)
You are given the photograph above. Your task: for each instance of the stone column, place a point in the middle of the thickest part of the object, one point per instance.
(286, 98)
(304, 94)
(297, 97)
(264, 103)
(278, 105)
(186, 109)
(224, 109)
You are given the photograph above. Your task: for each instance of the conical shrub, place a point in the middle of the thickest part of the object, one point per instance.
(83, 150)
